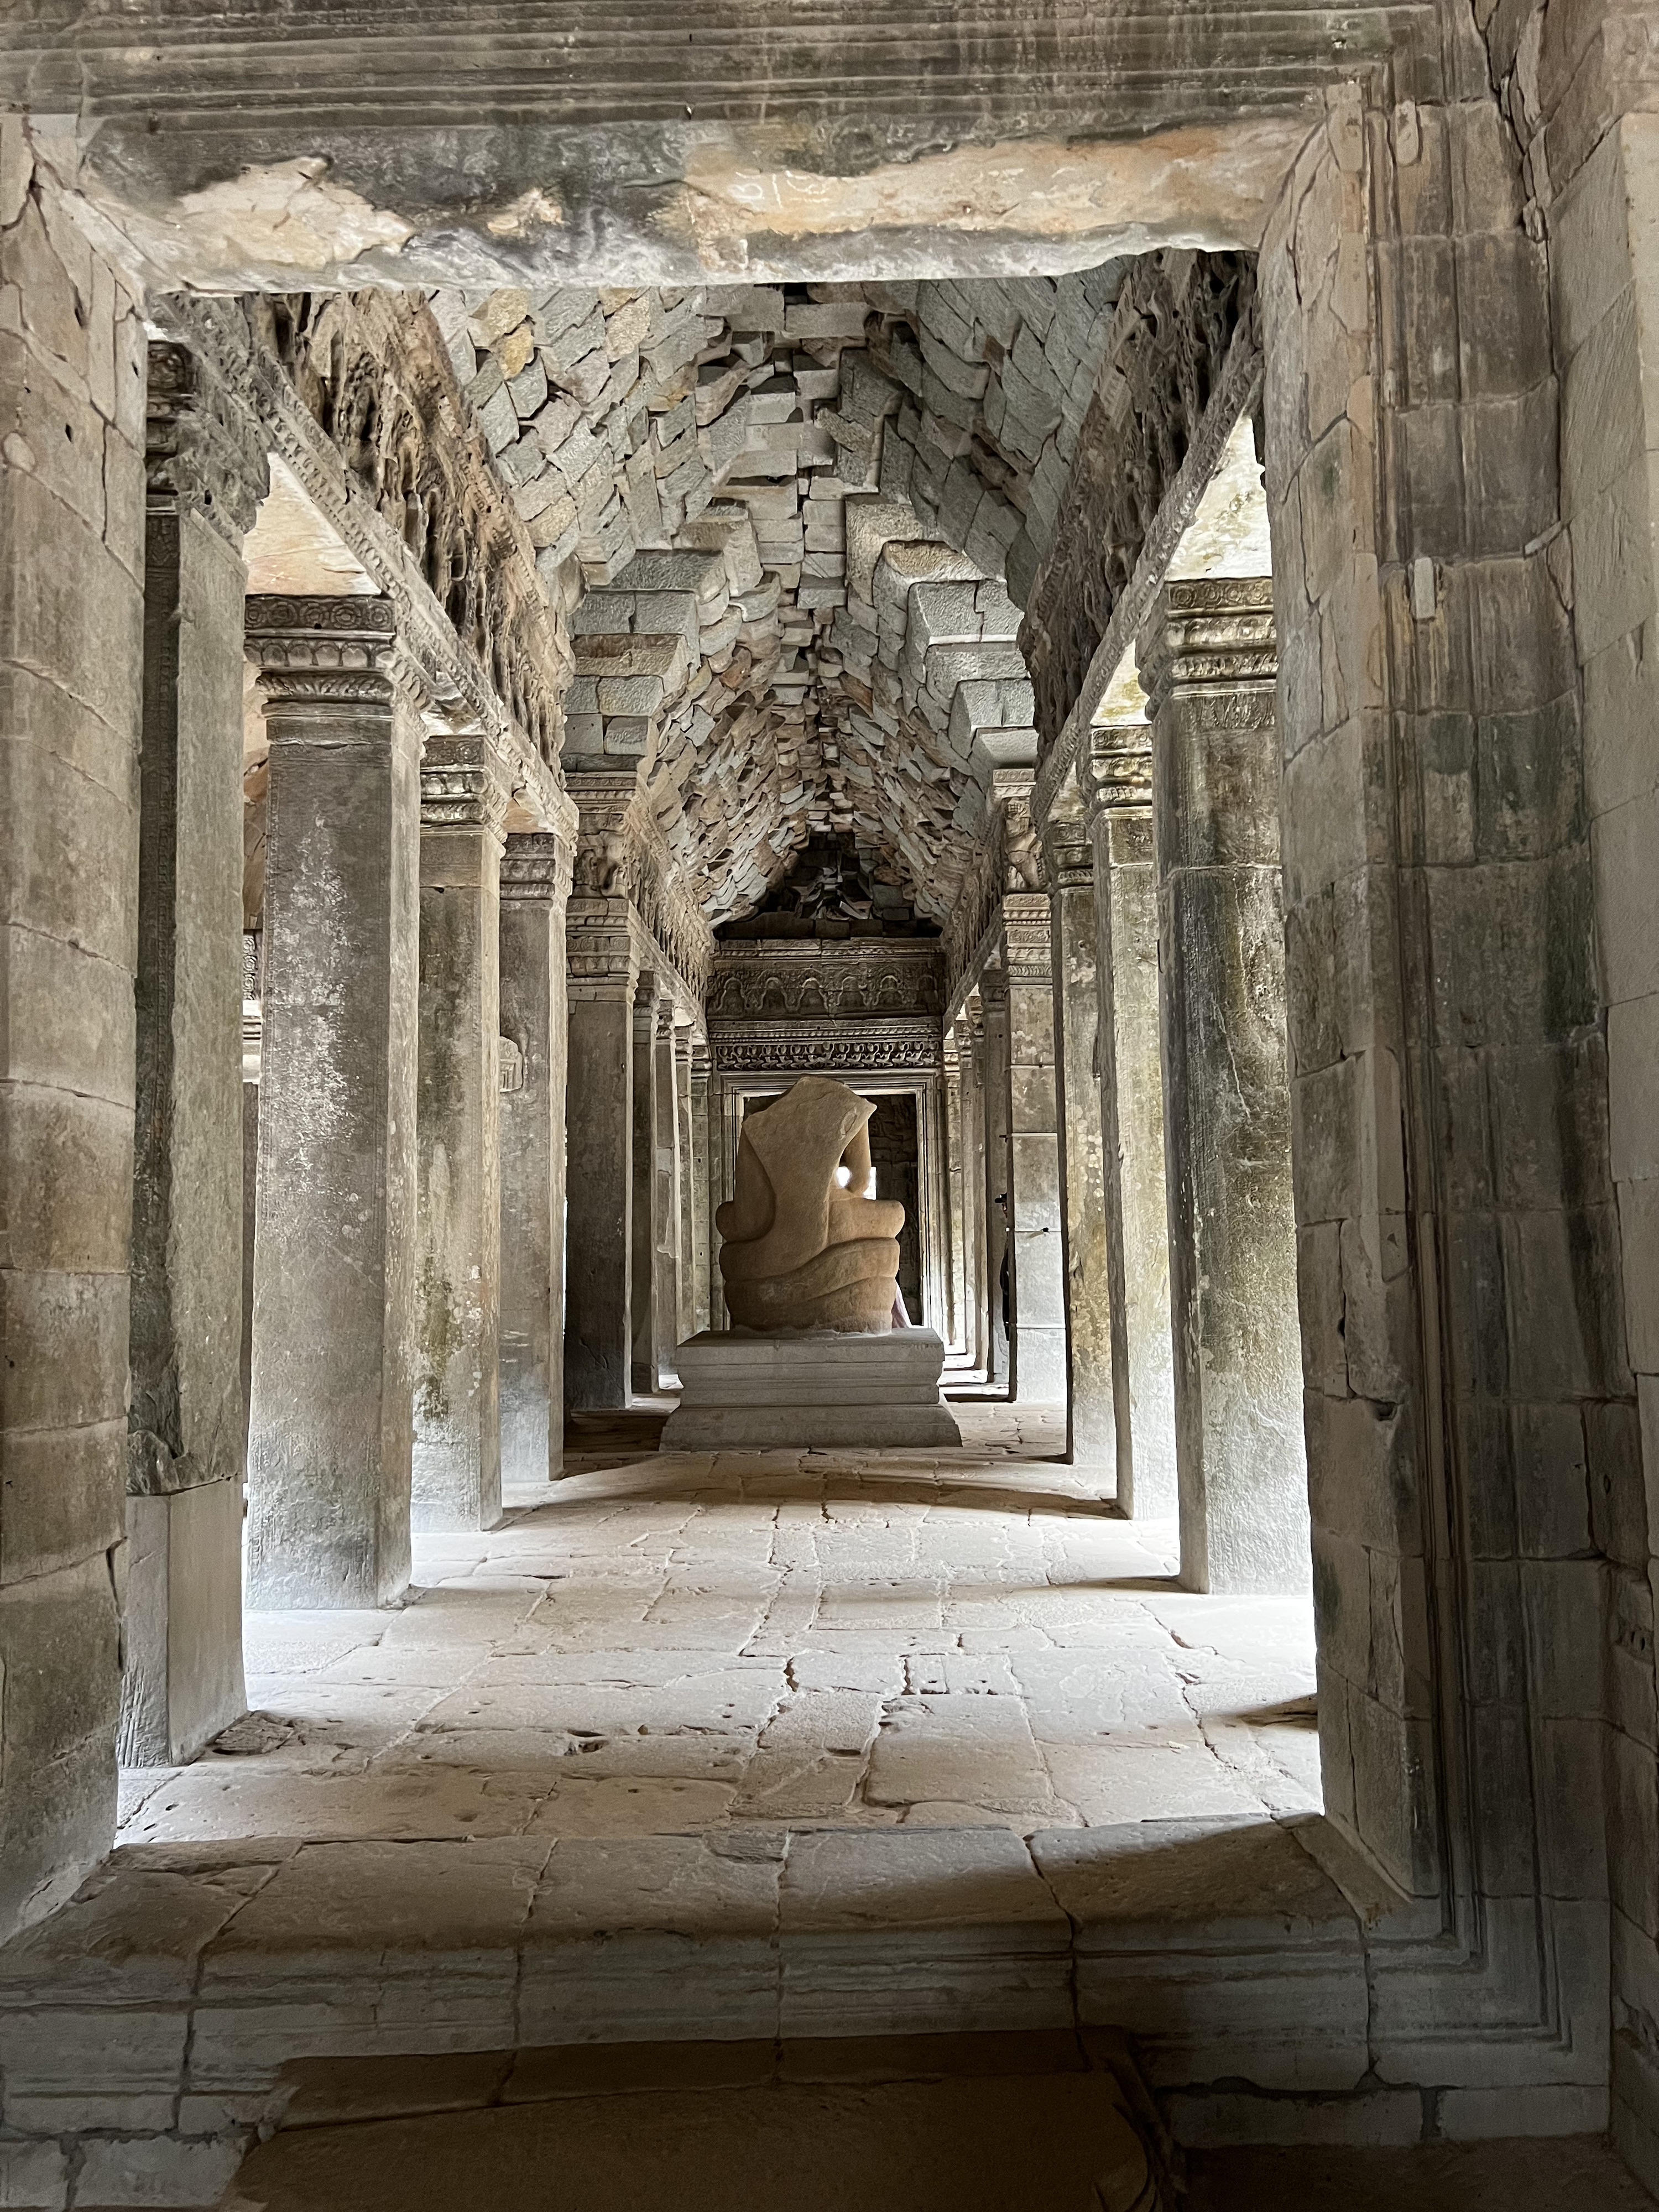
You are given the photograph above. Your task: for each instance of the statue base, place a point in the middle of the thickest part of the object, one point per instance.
(809, 1387)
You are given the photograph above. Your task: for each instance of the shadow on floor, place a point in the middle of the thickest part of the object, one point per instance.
(933, 2123)
(1575, 2173)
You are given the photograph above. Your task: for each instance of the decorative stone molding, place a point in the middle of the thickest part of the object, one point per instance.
(755, 978)
(464, 784)
(1237, 390)
(1025, 931)
(1179, 316)
(1117, 772)
(341, 649)
(355, 394)
(1213, 635)
(1068, 855)
(806, 1048)
(620, 854)
(535, 865)
(204, 451)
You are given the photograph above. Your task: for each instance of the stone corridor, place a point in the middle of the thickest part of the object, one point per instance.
(693, 1641)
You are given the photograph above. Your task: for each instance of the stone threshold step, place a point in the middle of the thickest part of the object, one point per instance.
(164, 2002)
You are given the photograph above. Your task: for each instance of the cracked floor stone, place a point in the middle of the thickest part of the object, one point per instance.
(679, 1643)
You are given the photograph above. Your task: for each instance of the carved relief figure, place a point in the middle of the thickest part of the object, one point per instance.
(804, 1247)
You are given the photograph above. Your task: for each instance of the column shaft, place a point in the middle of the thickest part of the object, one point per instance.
(598, 1328)
(999, 1258)
(334, 1268)
(701, 1190)
(1091, 1417)
(684, 1163)
(1132, 1126)
(1208, 663)
(956, 1217)
(458, 1444)
(645, 1370)
(1037, 1355)
(535, 885)
(182, 1680)
(666, 1201)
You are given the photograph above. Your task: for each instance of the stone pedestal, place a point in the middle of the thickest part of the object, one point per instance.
(1208, 663)
(811, 1388)
(457, 1466)
(1131, 1086)
(182, 1680)
(334, 1268)
(1037, 1356)
(535, 885)
(1091, 1414)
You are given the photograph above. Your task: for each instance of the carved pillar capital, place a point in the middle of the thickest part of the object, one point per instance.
(1025, 935)
(328, 652)
(1118, 771)
(204, 451)
(536, 866)
(1209, 635)
(465, 784)
(1068, 854)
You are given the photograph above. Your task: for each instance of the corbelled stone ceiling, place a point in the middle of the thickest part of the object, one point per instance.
(793, 529)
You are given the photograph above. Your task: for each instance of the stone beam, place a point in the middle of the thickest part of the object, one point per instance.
(904, 139)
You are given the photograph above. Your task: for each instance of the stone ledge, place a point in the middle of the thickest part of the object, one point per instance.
(165, 2000)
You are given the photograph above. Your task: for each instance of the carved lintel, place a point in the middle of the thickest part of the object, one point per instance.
(465, 784)
(203, 450)
(802, 1049)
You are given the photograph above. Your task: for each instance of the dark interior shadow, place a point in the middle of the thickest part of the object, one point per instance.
(771, 1489)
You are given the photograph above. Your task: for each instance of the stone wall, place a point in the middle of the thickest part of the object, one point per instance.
(71, 616)
(1467, 1394)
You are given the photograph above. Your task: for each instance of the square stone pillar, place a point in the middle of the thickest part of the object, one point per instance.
(993, 1054)
(1037, 1353)
(182, 1678)
(598, 1328)
(1208, 663)
(971, 1041)
(331, 1433)
(955, 1336)
(686, 1211)
(666, 1198)
(457, 1466)
(702, 1196)
(71, 673)
(1131, 1083)
(645, 1288)
(1091, 1413)
(535, 887)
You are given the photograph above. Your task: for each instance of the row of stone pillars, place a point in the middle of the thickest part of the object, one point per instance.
(1122, 1075)
(409, 1219)
(385, 1219)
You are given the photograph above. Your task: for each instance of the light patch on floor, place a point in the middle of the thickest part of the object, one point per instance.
(844, 1640)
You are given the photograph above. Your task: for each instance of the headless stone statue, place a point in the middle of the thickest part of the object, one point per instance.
(804, 1248)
